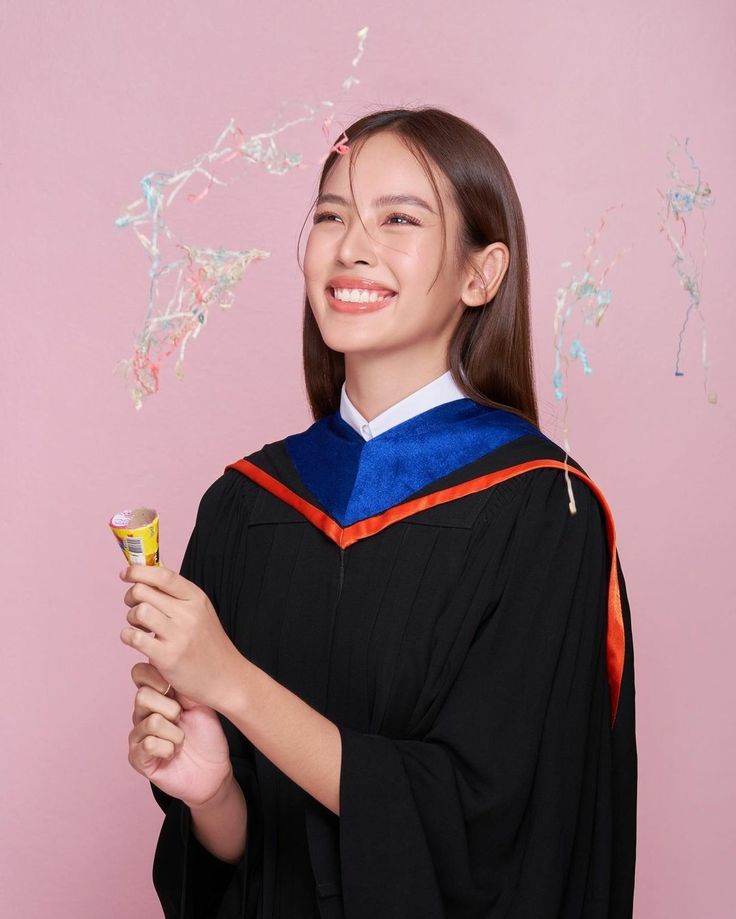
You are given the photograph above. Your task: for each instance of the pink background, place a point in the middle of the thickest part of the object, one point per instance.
(581, 99)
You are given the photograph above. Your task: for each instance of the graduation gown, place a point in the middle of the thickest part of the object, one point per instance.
(431, 593)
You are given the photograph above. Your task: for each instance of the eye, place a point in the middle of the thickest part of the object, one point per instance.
(406, 217)
(326, 215)
(323, 215)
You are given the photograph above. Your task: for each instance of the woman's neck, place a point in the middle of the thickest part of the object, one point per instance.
(373, 385)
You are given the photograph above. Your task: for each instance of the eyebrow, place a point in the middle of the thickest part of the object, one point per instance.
(382, 201)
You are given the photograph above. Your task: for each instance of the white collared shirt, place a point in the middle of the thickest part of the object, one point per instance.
(437, 392)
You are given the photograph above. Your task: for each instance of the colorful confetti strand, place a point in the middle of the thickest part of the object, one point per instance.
(586, 296)
(185, 284)
(679, 201)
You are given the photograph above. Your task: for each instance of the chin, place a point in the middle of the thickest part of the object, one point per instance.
(348, 343)
(349, 332)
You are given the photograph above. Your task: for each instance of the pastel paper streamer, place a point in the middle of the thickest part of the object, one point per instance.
(585, 297)
(680, 203)
(186, 281)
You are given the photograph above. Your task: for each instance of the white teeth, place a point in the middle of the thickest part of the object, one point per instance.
(354, 295)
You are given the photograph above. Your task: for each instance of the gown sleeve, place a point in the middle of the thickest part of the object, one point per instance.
(191, 883)
(504, 806)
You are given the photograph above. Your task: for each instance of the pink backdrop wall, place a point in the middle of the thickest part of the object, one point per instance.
(581, 99)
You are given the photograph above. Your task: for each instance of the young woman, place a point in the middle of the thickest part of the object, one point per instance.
(401, 655)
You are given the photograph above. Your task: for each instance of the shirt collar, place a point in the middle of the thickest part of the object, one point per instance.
(437, 392)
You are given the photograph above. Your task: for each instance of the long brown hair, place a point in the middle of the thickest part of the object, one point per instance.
(490, 352)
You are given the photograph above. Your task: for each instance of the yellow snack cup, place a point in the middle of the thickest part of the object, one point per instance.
(136, 531)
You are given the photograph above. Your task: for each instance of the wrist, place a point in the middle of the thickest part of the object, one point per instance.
(233, 698)
(218, 799)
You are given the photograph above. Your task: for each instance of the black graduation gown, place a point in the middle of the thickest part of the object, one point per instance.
(470, 638)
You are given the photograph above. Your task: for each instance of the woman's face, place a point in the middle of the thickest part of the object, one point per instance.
(400, 249)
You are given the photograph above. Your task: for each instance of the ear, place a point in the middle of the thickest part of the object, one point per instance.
(487, 270)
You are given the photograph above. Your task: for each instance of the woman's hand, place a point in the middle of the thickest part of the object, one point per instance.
(177, 628)
(176, 743)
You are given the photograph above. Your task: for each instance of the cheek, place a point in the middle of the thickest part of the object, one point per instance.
(314, 268)
(315, 251)
(309, 261)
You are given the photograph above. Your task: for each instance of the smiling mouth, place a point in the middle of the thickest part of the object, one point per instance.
(363, 305)
(358, 295)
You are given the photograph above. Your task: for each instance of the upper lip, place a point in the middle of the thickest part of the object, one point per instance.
(345, 281)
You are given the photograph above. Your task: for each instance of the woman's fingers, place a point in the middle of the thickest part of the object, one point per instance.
(150, 619)
(143, 593)
(153, 737)
(149, 749)
(145, 674)
(148, 701)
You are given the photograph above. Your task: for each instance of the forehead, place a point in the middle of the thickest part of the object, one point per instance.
(382, 164)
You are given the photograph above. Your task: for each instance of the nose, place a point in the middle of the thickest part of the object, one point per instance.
(355, 245)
